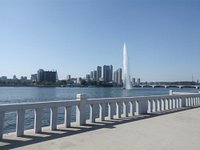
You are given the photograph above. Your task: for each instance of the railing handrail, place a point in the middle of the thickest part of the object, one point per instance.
(31, 105)
(133, 105)
(75, 102)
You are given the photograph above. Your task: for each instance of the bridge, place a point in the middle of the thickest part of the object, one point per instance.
(169, 86)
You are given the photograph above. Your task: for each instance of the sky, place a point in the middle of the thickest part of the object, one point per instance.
(75, 36)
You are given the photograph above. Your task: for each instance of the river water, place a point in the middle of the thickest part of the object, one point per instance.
(34, 94)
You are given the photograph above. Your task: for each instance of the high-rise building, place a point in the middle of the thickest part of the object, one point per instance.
(92, 75)
(3, 78)
(40, 75)
(133, 81)
(68, 77)
(95, 75)
(87, 77)
(23, 78)
(118, 77)
(48, 76)
(14, 77)
(99, 72)
(138, 81)
(34, 77)
(107, 73)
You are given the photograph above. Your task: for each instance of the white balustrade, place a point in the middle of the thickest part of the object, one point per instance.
(118, 107)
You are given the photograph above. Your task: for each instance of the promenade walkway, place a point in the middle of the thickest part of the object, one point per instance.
(166, 131)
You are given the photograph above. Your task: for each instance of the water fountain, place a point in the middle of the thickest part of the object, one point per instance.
(126, 76)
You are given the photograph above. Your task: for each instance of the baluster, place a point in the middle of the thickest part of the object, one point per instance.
(20, 122)
(149, 106)
(110, 110)
(195, 101)
(2, 116)
(164, 104)
(156, 105)
(198, 100)
(166, 101)
(152, 105)
(118, 109)
(187, 102)
(102, 111)
(80, 109)
(161, 105)
(132, 108)
(191, 101)
(67, 116)
(180, 102)
(137, 109)
(177, 103)
(169, 104)
(53, 119)
(92, 113)
(173, 103)
(37, 121)
(125, 106)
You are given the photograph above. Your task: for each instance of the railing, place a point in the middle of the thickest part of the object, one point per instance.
(107, 108)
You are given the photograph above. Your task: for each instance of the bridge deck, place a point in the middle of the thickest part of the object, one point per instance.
(180, 130)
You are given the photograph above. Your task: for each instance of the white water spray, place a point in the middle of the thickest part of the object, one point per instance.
(126, 77)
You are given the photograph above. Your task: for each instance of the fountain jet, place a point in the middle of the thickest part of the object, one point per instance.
(126, 77)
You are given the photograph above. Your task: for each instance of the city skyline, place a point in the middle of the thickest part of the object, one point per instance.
(74, 37)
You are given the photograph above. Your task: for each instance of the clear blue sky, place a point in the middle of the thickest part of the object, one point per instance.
(74, 36)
